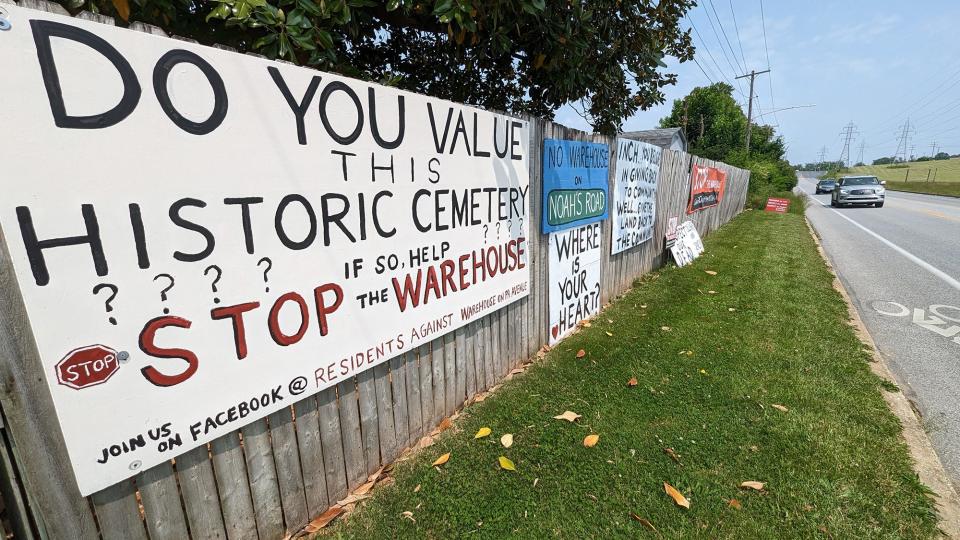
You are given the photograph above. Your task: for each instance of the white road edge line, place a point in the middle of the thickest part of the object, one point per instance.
(922, 263)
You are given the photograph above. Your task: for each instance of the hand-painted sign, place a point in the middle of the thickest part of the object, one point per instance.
(574, 278)
(706, 187)
(688, 245)
(775, 204)
(574, 183)
(634, 194)
(243, 233)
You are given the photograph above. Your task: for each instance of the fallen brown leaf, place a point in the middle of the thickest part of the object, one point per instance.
(364, 489)
(591, 440)
(632, 381)
(581, 353)
(569, 416)
(353, 498)
(735, 504)
(673, 455)
(609, 334)
(445, 424)
(753, 484)
(711, 272)
(409, 515)
(665, 328)
(416, 489)
(586, 324)
(507, 440)
(643, 521)
(676, 495)
(442, 459)
(779, 407)
(323, 519)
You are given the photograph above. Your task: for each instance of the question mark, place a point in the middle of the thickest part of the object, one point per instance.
(498, 230)
(213, 286)
(114, 290)
(485, 229)
(521, 225)
(267, 269)
(163, 293)
(510, 225)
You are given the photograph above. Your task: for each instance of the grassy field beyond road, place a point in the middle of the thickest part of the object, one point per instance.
(751, 374)
(938, 177)
(939, 188)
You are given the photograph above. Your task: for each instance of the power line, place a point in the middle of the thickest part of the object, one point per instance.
(714, 60)
(903, 141)
(737, 28)
(702, 70)
(724, 51)
(742, 65)
(763, 21)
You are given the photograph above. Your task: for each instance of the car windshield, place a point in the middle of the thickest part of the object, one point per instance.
(828, 182)
(861, 181)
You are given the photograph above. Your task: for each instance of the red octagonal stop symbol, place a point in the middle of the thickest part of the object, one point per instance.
(87, 366)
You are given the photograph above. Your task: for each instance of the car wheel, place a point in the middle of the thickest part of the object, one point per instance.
(833, 203)
(879, 205)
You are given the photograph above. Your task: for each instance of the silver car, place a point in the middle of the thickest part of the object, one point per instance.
(867, 190)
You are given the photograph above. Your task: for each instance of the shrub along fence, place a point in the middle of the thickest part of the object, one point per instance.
(269, 478)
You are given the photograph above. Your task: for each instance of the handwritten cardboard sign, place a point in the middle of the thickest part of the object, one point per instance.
(635, 194)
(574, 271)
(574, 184)
(202, 238)
(687, 246)
(706, 187)
(776, 204)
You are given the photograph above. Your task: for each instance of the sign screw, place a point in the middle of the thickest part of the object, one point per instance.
(123, 357)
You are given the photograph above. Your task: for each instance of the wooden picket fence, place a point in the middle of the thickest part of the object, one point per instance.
(269, 478)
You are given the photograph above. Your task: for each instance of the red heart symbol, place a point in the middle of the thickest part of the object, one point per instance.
(555, 330)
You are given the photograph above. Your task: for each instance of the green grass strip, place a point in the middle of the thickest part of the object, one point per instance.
(833, 463)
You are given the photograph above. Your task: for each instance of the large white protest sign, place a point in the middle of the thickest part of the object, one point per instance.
(688, 245)
(574, 278)
(202, 238)
(634, 194)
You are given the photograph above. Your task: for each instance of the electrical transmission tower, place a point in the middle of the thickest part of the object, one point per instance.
(823, 155)
(848, 132)
(862, 144)
(933, 149)
(903, 141)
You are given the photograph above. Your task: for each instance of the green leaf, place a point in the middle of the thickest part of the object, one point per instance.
(264, 41)
(326, 41)
(442, 7)
(392, 5)
(222, 11)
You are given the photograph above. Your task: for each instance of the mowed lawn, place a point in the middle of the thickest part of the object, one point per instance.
(752, 374)
(935, 177)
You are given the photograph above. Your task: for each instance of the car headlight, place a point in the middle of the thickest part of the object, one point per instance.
(880, 191)
(844, 191)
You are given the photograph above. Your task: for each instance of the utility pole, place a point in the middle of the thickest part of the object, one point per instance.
(753, 74)
(848, 132)
(862, 144)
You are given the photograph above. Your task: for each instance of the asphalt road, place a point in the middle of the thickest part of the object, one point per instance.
(901, 266)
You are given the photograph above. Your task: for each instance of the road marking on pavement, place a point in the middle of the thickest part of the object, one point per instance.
(932, 323)
(949, 280)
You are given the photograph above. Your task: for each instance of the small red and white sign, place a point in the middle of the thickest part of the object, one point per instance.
(672, 229)
(775, 204)
(87, 366)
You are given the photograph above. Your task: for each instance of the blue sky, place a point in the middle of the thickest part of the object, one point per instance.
(873, 63)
